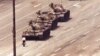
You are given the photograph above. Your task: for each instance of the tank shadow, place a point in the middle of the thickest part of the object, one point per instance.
(36, 38)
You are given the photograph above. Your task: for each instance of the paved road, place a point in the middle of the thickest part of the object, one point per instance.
(77, 37)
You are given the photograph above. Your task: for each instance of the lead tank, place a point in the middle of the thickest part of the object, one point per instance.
(36, 31)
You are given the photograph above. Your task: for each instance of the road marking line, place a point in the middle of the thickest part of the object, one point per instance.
(11, 54)
(73, 40)
(98, 26)
(53, 55)
(98, 40)
(39, 54)
(94, 55)
(0, 52)
(80, 55)
(18, 5)
(93, 22)
(26, 54)
(37, 5)
(1, 5)
(66, 54)
(86, 32)
(10, 13)
(85, 47)
(70, 29)
(77, 5)
(5, 26)
(84, 21)
(57, 49)
(97, 14)
(4, 37)
(11, 33)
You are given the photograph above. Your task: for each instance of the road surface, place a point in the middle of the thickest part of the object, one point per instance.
(77, 37)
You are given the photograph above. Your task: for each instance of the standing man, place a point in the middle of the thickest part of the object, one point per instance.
(23, 41)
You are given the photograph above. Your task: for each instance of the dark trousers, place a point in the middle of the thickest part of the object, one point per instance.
(24, 43)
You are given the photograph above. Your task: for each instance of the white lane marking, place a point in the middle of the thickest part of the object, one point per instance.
(1, 5)
(98, 26)
(97, 40)
(80, 55)
(57, 49)
(84, 21)
(85, 47)
(37, 5)
(66, 54)
(11, 34)
(96, 14)
(86, 32)
(73, 40)
(1, 18)
(11, 54)
(93, 22)
(10, 13)
(94, 55)
(0, 52)
(39, 54)
(26, 54)
(77, 5)
(5, 26)
(4, 37)
(70, 29)
(18, 5)
(53, 55)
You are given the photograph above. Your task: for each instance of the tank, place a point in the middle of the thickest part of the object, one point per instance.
(37, 31)
(49, 17)
(61, 13)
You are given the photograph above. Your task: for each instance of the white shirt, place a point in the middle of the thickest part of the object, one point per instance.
(23, 38)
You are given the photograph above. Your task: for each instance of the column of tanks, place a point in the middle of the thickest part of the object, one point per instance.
(40, 28)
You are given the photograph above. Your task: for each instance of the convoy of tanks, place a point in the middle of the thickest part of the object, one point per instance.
(46, 21)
